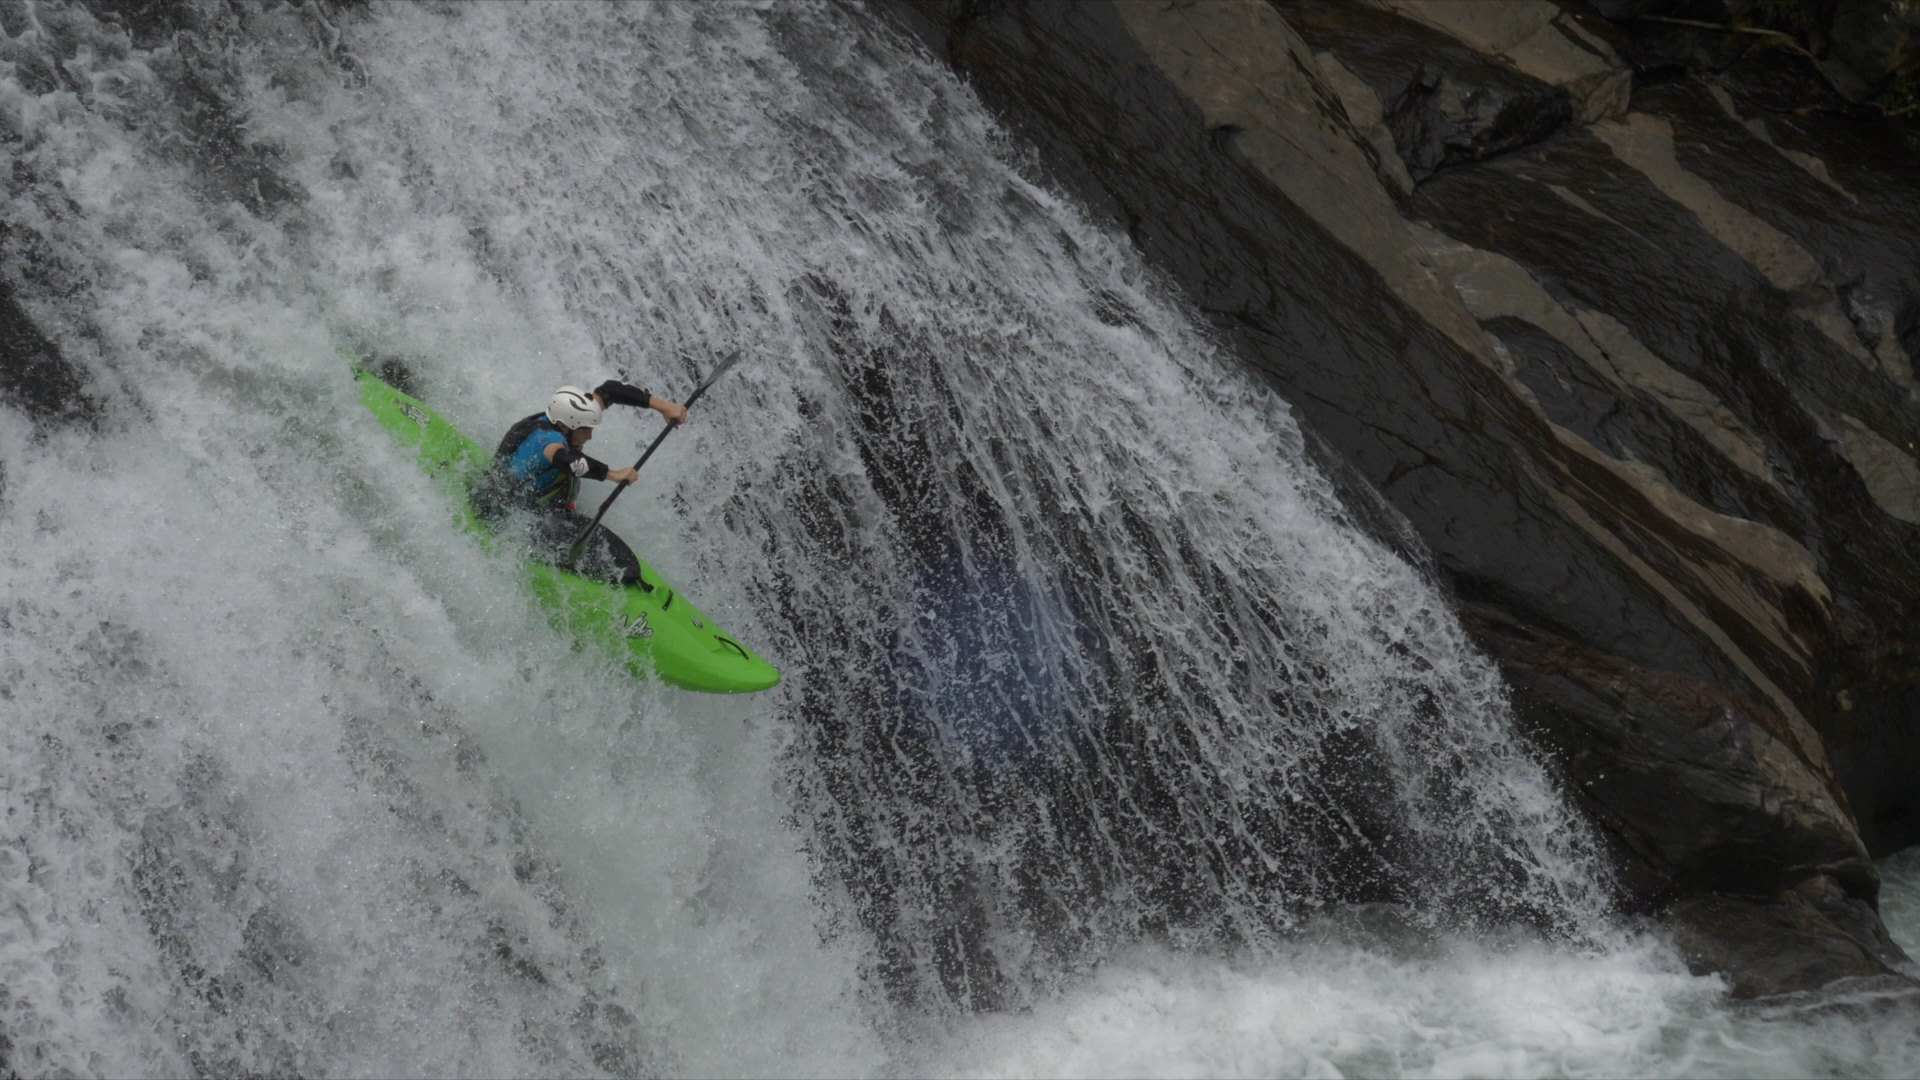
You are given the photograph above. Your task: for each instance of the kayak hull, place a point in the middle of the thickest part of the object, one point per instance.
(657, 632)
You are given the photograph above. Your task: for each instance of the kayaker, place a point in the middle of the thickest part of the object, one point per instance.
(540, 462)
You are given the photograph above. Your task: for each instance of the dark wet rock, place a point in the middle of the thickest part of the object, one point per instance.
(152, 23)
(1643, 387)
(34, 377)
(1835, 414)
(194, 50)
(1876, 39)
(232, 166)
(1860, 218)
(1704, 788)
(1563, 44)
(1442, 102)
(1862, 51)
(1660, 50)
(1806, 936)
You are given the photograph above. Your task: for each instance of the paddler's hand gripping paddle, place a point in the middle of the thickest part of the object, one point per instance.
(580, 542)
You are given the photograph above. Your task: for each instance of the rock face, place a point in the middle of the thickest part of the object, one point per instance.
(1630, 348)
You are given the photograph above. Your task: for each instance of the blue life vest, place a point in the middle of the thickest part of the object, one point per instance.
(522, 456)
(529, 461)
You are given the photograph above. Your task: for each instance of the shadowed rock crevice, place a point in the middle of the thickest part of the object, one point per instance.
(1864, 53)
(1441, 102)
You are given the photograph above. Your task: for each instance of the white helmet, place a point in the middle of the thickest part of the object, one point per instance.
(572, 407)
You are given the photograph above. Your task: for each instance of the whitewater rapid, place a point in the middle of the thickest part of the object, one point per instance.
(1114, 737)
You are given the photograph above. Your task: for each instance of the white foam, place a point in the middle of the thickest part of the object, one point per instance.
(1342, 1005)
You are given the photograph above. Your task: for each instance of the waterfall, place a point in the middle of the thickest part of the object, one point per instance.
(1097, 691)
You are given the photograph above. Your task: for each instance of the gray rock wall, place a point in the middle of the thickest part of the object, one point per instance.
(1629, 348)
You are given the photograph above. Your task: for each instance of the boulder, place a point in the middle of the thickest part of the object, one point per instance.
(1812, 934)
(1876, 39)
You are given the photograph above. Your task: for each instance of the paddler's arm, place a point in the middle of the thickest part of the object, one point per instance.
(585, 467)
(614, 392)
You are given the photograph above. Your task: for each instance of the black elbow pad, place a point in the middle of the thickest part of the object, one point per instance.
(614, 392)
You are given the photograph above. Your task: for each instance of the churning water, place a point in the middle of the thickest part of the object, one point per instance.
(1112, 739)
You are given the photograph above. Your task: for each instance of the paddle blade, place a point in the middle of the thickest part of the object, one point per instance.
(732, 359)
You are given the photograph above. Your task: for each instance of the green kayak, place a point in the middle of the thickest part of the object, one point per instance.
(656, 631)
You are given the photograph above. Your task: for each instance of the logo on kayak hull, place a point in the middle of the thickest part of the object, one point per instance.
(633, 626)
